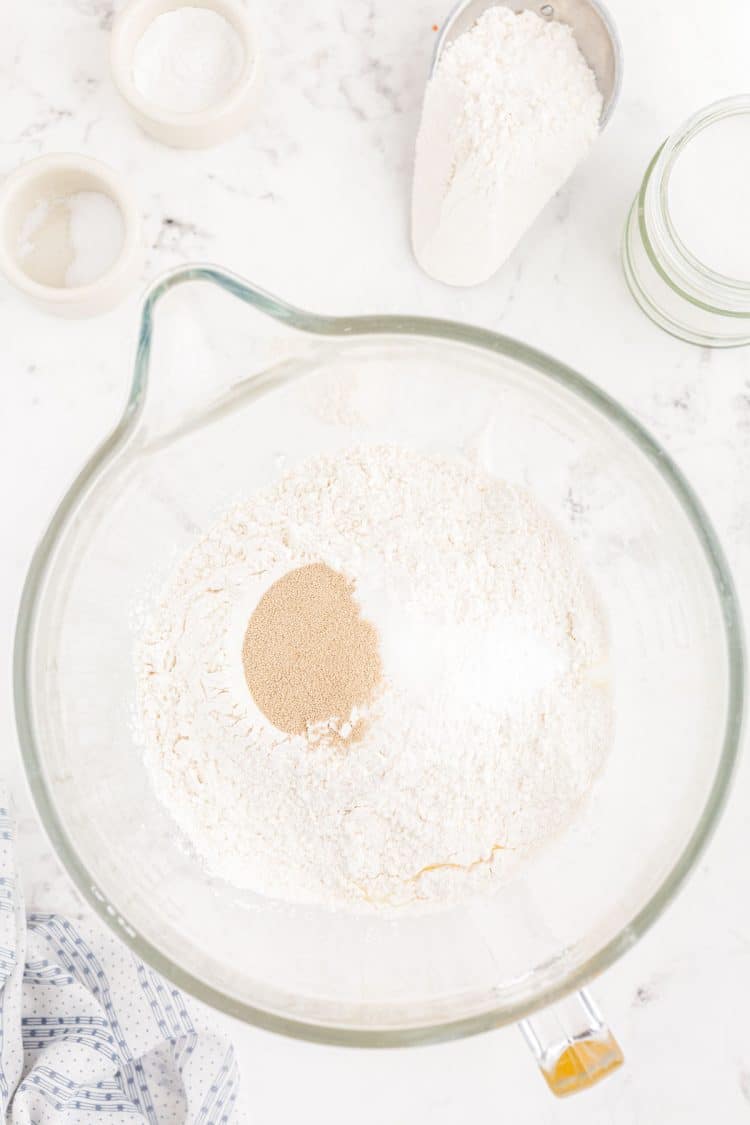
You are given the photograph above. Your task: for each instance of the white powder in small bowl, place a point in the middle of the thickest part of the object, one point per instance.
(510, 111)
(188, 60)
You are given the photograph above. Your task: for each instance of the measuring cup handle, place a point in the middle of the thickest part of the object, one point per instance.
(572, 1044)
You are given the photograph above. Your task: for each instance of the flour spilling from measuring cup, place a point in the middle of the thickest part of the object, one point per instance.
(480, 710)
(511, 110)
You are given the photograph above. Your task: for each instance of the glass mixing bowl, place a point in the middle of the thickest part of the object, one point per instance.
(223, 399)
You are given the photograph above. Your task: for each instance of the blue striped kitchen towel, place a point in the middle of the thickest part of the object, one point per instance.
(87, 1030)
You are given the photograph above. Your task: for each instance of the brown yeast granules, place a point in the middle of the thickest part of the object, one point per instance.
(309, 657)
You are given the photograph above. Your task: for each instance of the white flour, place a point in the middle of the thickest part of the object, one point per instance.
(187, 59)
(512, 109)
(495, 712)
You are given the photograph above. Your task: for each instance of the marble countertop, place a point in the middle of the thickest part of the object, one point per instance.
(312, 202)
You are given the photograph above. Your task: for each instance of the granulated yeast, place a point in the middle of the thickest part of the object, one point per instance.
(309, 656)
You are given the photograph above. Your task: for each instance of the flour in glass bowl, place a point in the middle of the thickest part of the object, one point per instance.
(491, 719)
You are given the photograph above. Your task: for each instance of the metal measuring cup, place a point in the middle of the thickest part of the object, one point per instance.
(592, 26)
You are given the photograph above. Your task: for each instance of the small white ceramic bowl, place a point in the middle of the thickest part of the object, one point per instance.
(55, 176)
(199, 129)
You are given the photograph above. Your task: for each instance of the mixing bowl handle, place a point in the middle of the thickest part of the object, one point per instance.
(572, 1044)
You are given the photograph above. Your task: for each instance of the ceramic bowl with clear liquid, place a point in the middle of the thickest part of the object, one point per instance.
(231, 387)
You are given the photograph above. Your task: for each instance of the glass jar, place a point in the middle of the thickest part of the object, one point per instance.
(686, 248)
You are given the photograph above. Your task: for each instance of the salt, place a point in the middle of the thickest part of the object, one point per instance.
(187, 60)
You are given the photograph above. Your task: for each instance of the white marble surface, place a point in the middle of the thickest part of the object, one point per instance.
(312, 202)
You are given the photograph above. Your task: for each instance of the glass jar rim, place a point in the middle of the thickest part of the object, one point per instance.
(691, 278)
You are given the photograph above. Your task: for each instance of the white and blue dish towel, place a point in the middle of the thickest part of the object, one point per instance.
(88, 1031)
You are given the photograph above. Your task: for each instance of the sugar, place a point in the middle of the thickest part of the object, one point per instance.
(187, 60)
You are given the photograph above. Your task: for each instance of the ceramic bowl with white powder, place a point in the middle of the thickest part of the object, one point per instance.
(188, 71)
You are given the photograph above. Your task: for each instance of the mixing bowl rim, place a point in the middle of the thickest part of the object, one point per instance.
(361, 327)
